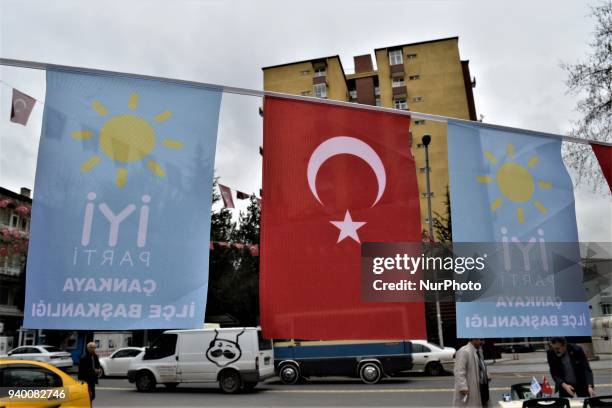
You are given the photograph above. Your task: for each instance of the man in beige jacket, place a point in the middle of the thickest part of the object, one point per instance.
(471, 377)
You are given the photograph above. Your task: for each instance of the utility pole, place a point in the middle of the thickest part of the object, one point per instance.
(426, 140)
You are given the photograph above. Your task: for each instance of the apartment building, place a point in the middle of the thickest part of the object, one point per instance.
(15, 209)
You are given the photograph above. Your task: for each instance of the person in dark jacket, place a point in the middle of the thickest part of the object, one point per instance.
(89, 369)
(570, 369)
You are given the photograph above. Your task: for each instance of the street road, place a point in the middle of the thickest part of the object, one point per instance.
(412, 391)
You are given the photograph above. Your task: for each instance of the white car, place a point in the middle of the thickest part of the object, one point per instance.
(431, 358)
(117, 364)
(46, 354)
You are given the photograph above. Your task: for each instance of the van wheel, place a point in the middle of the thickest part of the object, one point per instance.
(370, 373)
(230, 382)
(145, 382)
(434, 369)
(289, 374)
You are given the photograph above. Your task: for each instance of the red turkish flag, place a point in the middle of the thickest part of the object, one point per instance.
(604, 157)
(21, 107)
(333, 178)
(226, 194)
(546, 387)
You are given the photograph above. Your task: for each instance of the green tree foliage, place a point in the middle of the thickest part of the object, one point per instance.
(443, 223)
(233, 287)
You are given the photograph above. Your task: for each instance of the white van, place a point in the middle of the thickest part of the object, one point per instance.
(236, 358)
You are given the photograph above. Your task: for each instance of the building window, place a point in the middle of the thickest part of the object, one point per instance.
(24, 224)
(411, 56)
(353, 94)
(4, 296)
(400, 104)
(419, 122)
(14, 221)
(424, 195)
(606, 308)
(414, 77)
(378, 102)
(305, 72)
(395, 57)
(423, 169)
(417, 99)
(319, 72)
(306, 93)
(396, 82)
(320, 90)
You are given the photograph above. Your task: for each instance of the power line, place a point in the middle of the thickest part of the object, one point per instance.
(259, 93)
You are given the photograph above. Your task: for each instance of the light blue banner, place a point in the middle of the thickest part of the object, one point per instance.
(513, 188)
(121, 212)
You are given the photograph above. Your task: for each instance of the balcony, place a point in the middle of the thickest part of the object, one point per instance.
(9, 310)
(319, 80)
(400, 92)
(397, 70)
(12, 271)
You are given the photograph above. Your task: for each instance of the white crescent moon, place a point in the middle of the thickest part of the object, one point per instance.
(19, 101)
(345, 145)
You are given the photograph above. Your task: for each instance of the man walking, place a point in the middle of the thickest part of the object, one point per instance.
(570, 369)
(471, 377)
(89, 369)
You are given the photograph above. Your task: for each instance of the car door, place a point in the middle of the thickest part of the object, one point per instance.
(419, 356)
(32, 353)
(17, 353)
(162, 357)
(120, 361)
(21, 377)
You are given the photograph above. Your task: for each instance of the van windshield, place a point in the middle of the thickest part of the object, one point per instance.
(264, 344)
(163, 346)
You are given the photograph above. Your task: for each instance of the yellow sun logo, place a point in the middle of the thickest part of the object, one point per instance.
(127, 138)
(515, 182)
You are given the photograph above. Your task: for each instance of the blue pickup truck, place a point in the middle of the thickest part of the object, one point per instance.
(369, 360)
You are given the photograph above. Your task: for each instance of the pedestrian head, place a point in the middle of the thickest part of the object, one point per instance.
(477, 342)
(91, 347)
(558, 345)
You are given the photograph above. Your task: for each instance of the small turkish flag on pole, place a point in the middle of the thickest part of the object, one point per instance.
(333, 178)
(241, 196)
(21, 107)
(546, 388)
(226, 194)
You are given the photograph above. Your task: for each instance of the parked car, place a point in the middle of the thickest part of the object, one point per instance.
(369, 360)
(237, 358)
(431, 358)
(117, 363)
(43, 353)
(58, 387)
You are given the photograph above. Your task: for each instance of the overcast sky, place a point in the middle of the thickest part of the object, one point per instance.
(514, 50)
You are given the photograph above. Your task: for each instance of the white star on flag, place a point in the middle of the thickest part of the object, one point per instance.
(348, 227)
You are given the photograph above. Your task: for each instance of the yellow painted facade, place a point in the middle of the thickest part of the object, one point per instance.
(440, 89)
(296, 79)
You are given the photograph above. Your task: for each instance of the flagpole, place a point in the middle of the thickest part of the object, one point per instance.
(258, 93)
(426, 140)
